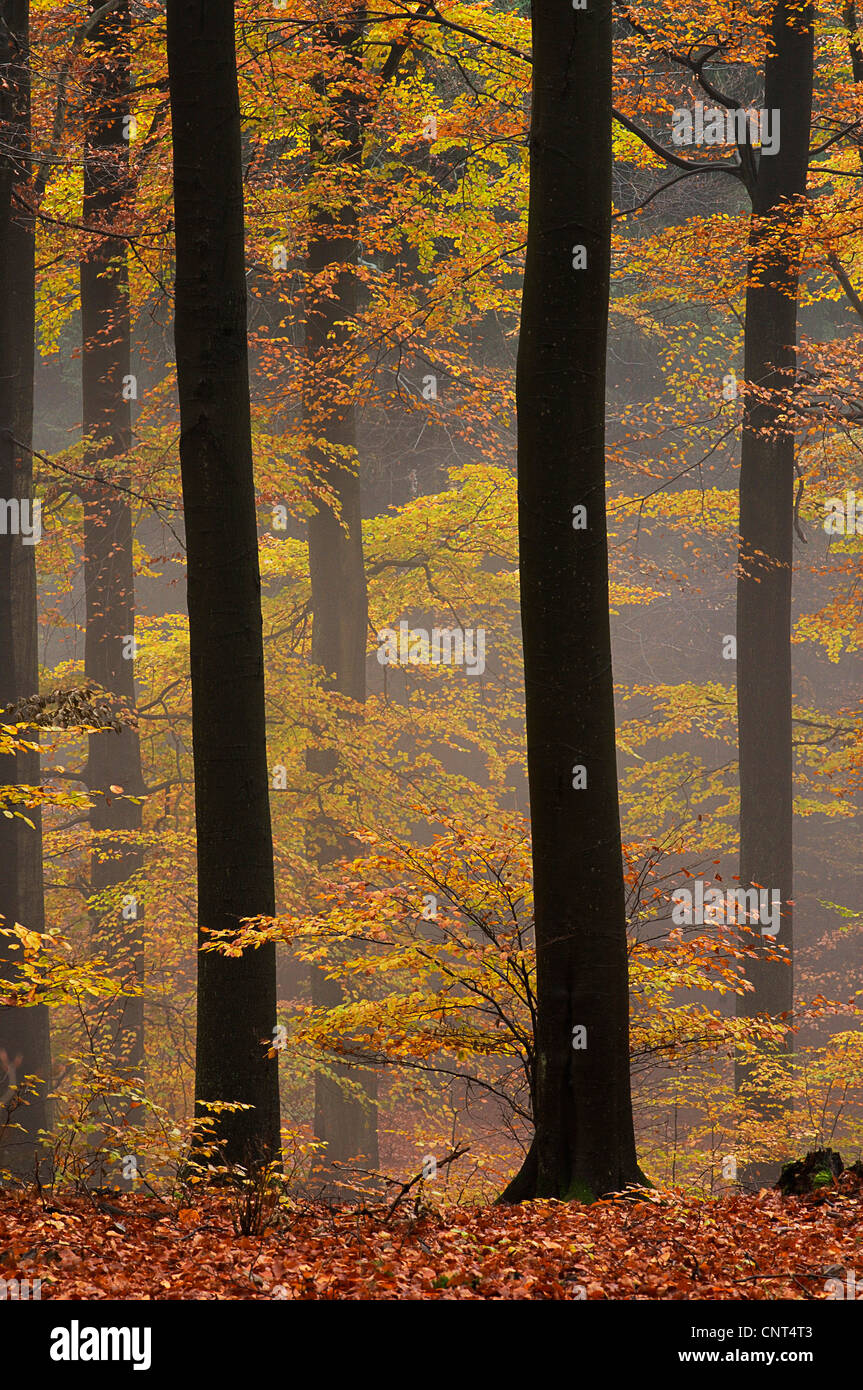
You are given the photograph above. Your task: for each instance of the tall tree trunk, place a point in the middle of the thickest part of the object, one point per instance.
(767, 507)
(24, 1033)
(236, 997)
(114, 759)
(346, 1122)
(584, 1144)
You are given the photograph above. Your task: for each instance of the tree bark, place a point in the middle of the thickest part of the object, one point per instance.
(25, 1047)
(236, 997)
(765, 555)
(348, 1124)
(114, 759)
(584, 1145)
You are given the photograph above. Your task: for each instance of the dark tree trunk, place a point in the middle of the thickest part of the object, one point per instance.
(114, 759)
(24, 1032)
(236, 997)
(767, 508)
(347, 1123)
(584, 1145)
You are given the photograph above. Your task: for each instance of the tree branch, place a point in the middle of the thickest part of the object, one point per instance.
(82, 33)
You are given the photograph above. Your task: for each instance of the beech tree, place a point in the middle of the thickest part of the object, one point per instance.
(339, 589)
(415, 195)
(107, 391)
(24, 1032)
(339, 597)
(767, 500)
(584, 1144)
(236, 996)
(774, 178)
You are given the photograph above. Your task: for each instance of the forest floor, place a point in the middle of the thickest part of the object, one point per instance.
(667, 1246)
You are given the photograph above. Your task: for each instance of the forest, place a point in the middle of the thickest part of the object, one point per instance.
(431, 754)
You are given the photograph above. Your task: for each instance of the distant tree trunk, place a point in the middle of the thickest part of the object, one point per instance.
(114, 759)
(24, 1033)
(767, 506)
(584, 1144)
(348, 1124)
(236, 997)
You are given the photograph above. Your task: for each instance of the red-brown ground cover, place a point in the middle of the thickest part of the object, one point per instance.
(667, 1246)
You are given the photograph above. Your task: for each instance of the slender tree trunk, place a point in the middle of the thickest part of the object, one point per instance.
(114, 759)
(347, 1123)
(584, 1144)
(24, 1032)
(236, 997)
(767, 508)
(338, 579)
